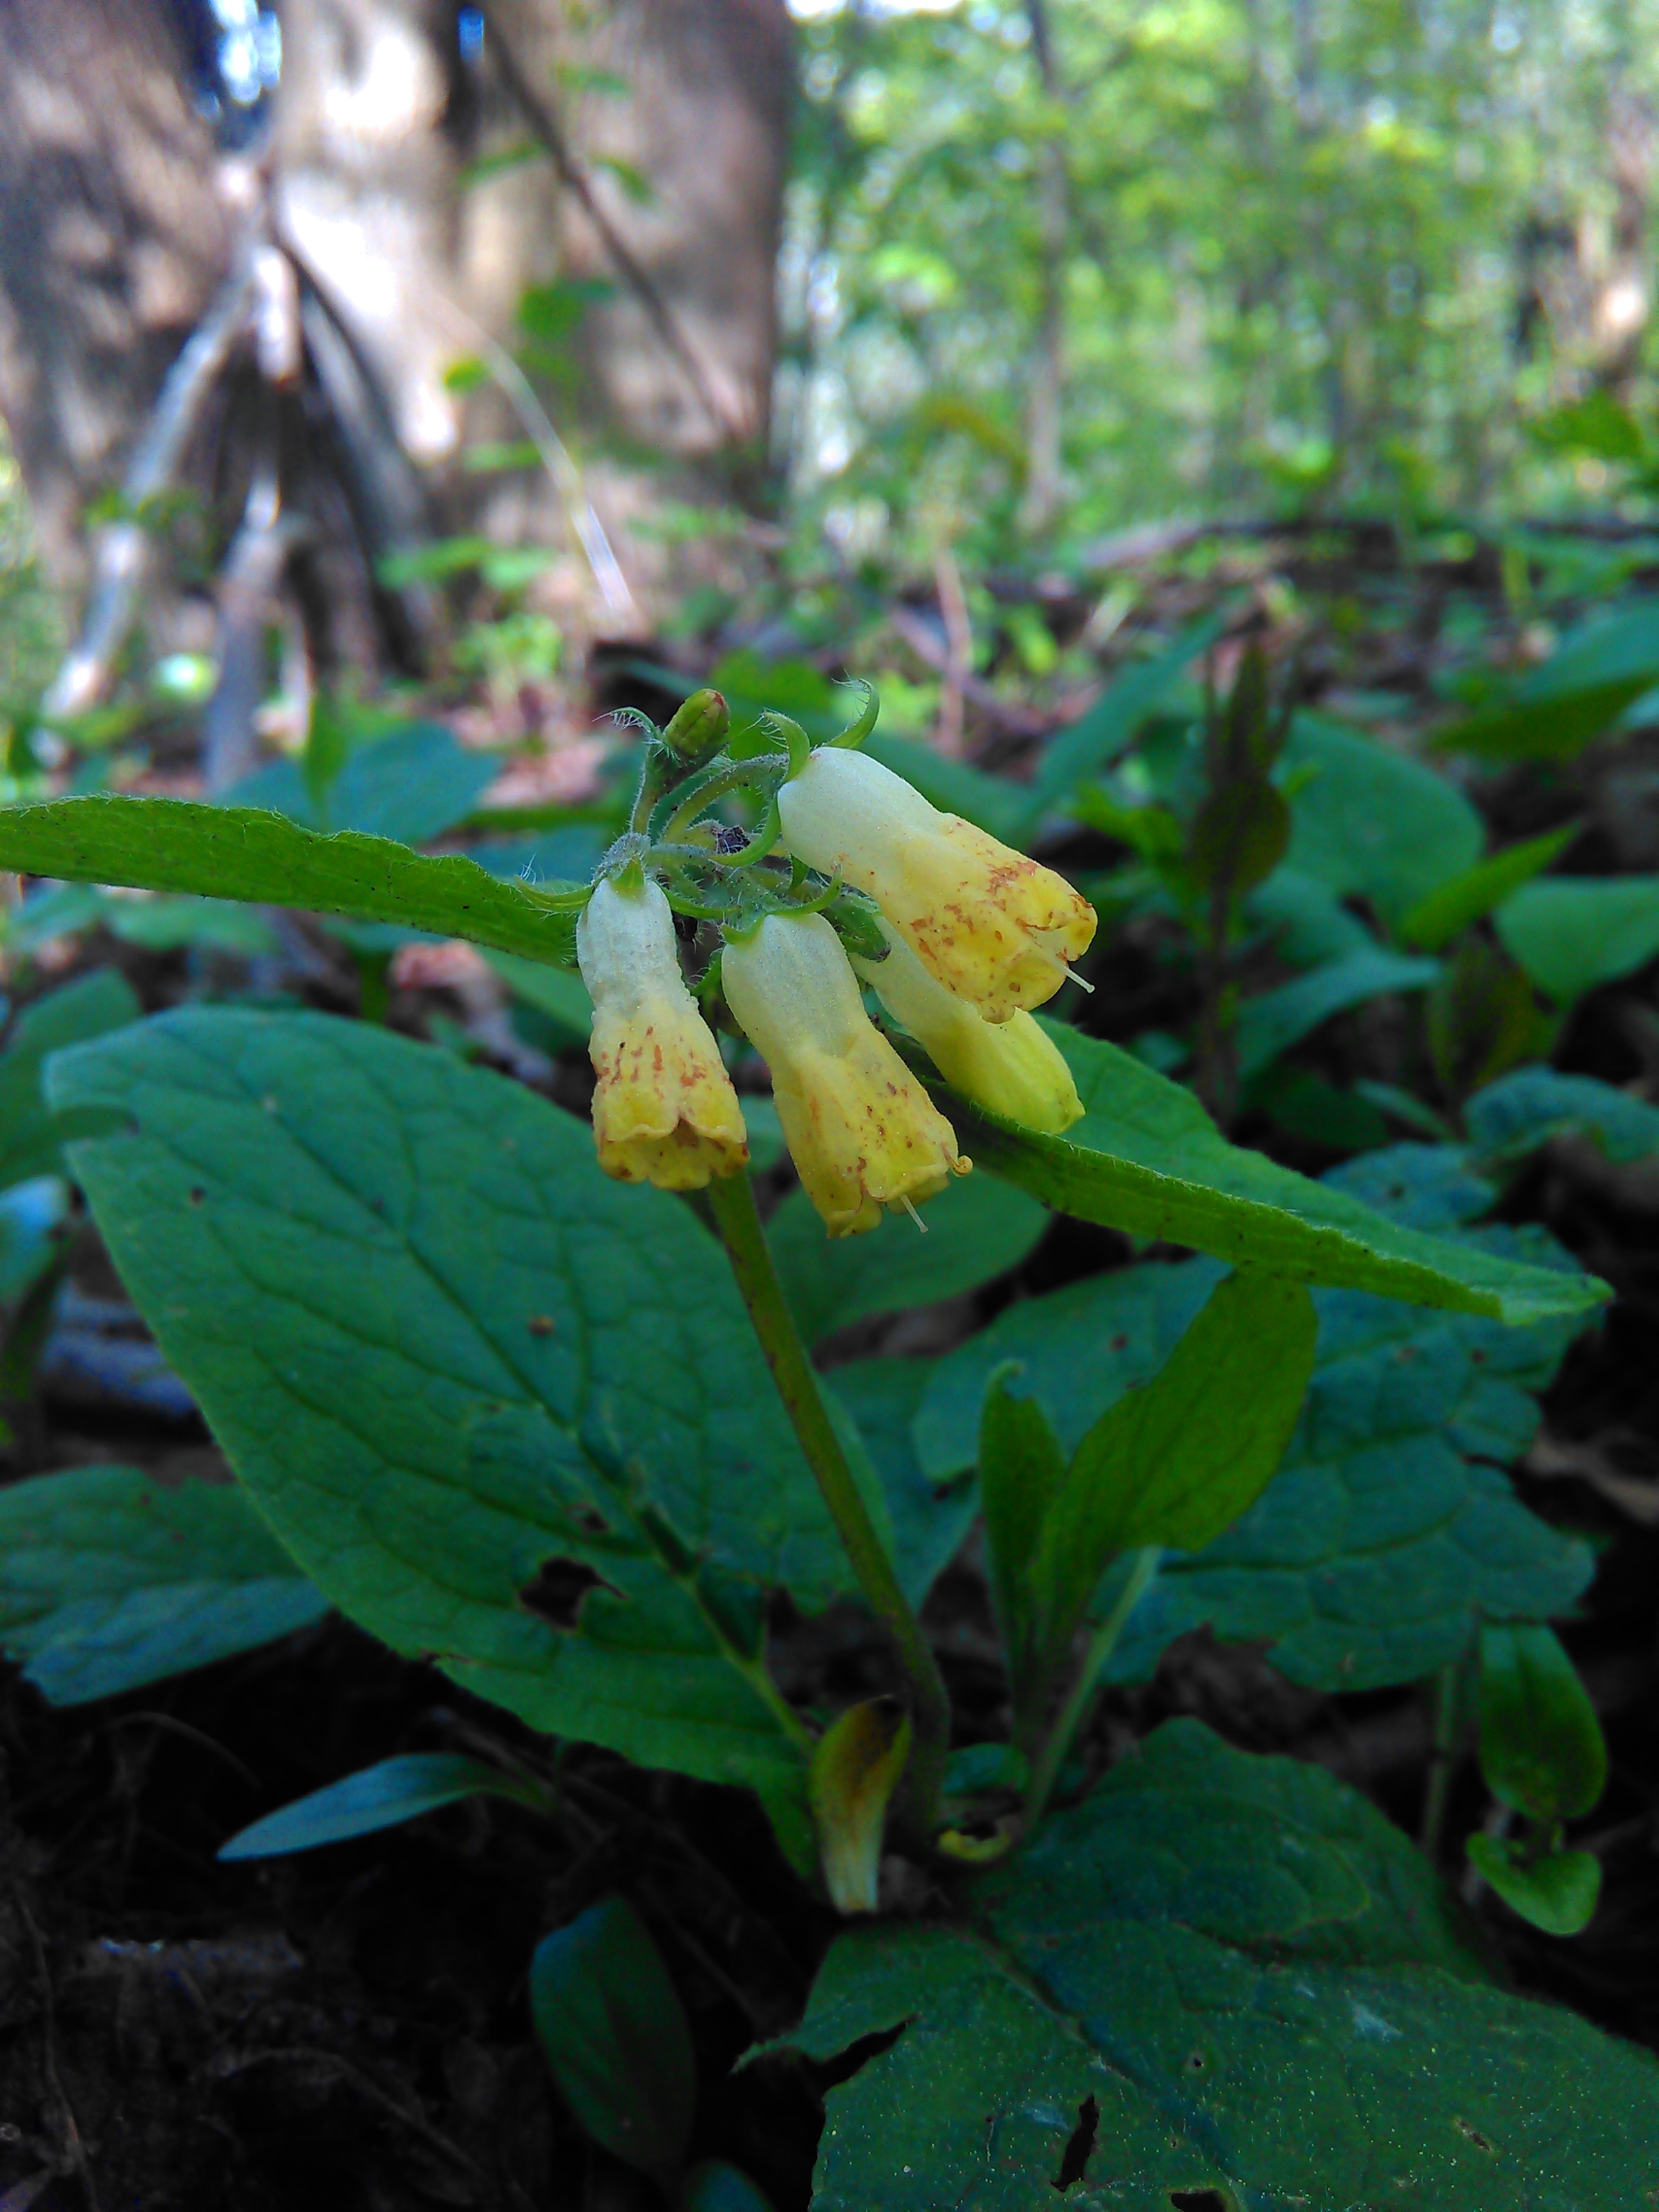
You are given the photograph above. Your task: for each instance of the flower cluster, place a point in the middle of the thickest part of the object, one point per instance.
(849, 880)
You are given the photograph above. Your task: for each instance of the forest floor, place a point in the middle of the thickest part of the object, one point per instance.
(349, 2029)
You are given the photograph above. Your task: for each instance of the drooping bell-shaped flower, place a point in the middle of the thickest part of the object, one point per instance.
(987, 922)
(664, 1109)
(862, 1132)
(1013, 1067)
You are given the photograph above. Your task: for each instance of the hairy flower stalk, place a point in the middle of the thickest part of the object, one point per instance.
(1011, 1067)
(862, 1132)
(664, 1110)
(994, 926)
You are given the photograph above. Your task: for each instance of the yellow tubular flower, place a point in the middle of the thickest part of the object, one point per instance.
(663, 1110)
(1012, 1068)
(986, 921)
(862, 1132)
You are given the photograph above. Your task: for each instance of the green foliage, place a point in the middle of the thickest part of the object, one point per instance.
(1541, 1748)
(1252, 1986)
(376, 1798)
(248, 853)
(1522, 1110)
(1170, 1464)
(1573, 933)
(1147, 1159)
(411, 786)
(1575, 697)
(1373, 823)
(108, 1581)
(411, 1309)
(30, 1138)
(614, 2033)
(1387, 1534)
(975, 1231)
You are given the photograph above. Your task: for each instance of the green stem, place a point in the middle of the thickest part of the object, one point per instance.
(732, 1202)
(1079, 1705)
(1449, 1699)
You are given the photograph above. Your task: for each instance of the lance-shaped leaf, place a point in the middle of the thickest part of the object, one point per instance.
(1220, 1982)
(1146, 1159)
(1178, 1461)
(1542, 1751)
(384, 1795)
(247, 854)
(614, 2034)
(504, 1411)
(1022, 1470)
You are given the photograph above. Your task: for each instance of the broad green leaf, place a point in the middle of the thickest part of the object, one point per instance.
(1272, 1023)
(976, 1230)
(109, 1581)
(1073, 756)
(410, 787)
(1577, 694)
(1573, 933)
(558, 993)
(1542, 1752)
(929, 1519)
(1557, 1892)
(1372, 822)
(1554, 727)
(1220, 1980)
(1177, 1461)
(380, 1796)
(1434, 922)
(1146, 1159)
(30, 1144)
(614, 2033)
(1387, 1534)
(169, 925)
(1308, 923)
(445, 1353)
(224, 852)
(1521, 1111)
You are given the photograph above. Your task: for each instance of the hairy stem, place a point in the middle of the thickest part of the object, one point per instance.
(1080, 1704)
(732, 1202)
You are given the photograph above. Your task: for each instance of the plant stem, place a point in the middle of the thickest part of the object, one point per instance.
(732, 1202)
(1449, 1703)
(1080, 1704)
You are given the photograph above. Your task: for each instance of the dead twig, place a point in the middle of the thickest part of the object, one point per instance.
(122, 552)
(74, 2143)
(542, 119)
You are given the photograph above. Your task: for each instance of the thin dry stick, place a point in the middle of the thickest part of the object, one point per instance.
(545, 124)
(556, 458)
(123, 548)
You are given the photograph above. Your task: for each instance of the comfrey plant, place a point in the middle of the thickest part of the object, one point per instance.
(850, 877)
(539, 1425)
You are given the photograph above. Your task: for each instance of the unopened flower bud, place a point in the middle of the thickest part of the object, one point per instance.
(990, 924)
(664, 1109)
(862, 1132)
(698, 728)
(1013, 1067)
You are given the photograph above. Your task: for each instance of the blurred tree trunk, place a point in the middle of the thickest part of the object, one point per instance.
(113, 238)
(659, 168)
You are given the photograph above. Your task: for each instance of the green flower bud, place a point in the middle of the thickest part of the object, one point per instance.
(698, 729)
